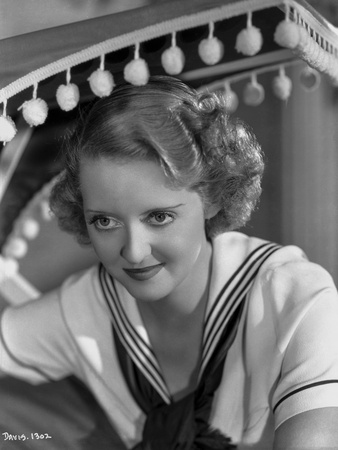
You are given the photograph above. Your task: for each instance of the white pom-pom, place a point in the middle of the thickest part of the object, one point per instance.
(15, 248)
(35, 111)
(287, 34)
(249, 41)
(310, 79)
(30, 228)
(67, 96)
(253, 94)
(231, 99)
(282, 86)
(8, 268)
(101, 83)
(137, 72)
(173, 60)
(7, 129)
(211, 50)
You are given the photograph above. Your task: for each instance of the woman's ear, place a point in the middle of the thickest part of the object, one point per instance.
(211, 211)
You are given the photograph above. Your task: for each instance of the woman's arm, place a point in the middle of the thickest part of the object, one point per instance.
(315, 429)
(305, 398)
(34, 341)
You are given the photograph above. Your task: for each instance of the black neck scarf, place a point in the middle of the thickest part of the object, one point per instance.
(183, 424)
(180, 425)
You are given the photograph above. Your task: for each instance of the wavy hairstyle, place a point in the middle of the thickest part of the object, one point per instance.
(190, 135)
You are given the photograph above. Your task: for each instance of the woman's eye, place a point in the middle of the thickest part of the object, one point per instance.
(104, 223)
(160, 218)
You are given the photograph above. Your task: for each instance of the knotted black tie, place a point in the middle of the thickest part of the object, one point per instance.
(183, 424)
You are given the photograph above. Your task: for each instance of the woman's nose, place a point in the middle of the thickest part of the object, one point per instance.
(136, 246)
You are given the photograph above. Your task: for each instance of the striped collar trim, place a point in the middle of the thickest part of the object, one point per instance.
(132, 333)
(136, 345)
(230, 297)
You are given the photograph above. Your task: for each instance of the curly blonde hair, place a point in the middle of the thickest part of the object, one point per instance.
(191, 136)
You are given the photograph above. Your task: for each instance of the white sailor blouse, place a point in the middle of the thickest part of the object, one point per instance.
(270, 344)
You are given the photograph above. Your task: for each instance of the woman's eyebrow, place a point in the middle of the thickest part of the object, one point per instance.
(155, 208)
(163, 208)
(94, 211)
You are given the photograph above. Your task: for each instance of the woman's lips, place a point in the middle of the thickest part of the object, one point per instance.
(145, 273)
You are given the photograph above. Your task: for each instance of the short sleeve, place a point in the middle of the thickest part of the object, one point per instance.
(34, 341)
(307, 337)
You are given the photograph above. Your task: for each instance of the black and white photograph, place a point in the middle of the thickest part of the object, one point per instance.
(168, 224)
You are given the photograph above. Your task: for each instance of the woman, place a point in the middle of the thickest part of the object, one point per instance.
(189, 334)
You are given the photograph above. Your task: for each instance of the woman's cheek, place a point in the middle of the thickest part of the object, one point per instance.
(106, 248)
(183, 247)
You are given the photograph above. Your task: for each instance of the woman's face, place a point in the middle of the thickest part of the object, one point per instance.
(149, 237)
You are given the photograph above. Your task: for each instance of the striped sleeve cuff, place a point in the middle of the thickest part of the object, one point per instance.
(321, 394)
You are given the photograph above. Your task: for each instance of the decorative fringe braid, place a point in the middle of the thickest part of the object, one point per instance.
(173, 58)
(282, 85)
(299, 32)
(211, 50)
(27, 227)
(137, 71)
(34, 111)
(250, 40)
(7, 129)
(231, 98)
(67, 95)
(101, 81)
(253, 94)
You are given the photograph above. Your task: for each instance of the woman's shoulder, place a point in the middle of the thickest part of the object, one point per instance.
(286, 267)
(231, 249)
(291, 273)
(287, 287)
(81, 280)
(237, 246)
(287, 284)
(73, 290)
(81, 293)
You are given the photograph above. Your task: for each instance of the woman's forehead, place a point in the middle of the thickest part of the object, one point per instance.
(105, 182)
(121, 175)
